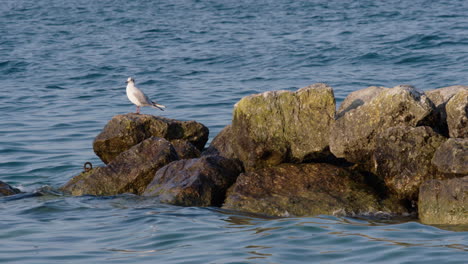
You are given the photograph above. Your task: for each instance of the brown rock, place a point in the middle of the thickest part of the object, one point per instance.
(185, 150)
(194, 182)
(6, 189)
(129, 172)
(353, 134)
(282, 126)
(457, 115)
(452, 156)
(444, 202)
(125, 131)
(403, 159)
(302, 189)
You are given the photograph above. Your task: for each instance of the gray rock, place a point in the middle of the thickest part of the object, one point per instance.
(302, 190)
(403, 159)
(444, 202)
(125, 131)
(452, 156)
(358, 98)
(457, 115)
(282, 126)
(6, 189)
(130, 172)
(194, 182)
(352, 136)
(440, 97)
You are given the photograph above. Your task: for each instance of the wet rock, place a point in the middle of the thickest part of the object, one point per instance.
(302, 189)
(194, 182)
(6, 189)
(352, 136)
(403, 159)
(457, 115)
(452, 156)
(282, 126)
(130, 172)
(358, 98)
(185, 150)
(444, 201)
(223, 144)
(124, 131)
(440, 97)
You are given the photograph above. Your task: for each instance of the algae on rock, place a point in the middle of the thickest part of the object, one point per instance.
(283, 126)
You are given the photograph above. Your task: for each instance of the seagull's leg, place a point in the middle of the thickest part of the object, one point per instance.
(138, 109)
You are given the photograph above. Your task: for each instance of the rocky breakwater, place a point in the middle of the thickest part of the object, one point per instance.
(289, 153)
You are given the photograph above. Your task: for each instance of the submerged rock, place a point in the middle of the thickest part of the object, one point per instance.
(282, 126)
(194, 182)
(353, 134)
(452, 156)
(403, 159)
(457, 115)
(6, 189)
(302, 189)
(129, 172)
(444, 201)
(440, 97)
(124, 131)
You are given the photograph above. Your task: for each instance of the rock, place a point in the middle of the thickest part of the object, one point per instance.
(129, 172)
(223, 144)
(457, 115)
(358, 98)
(282, 126)
(125, 131)
(352, 136)
(185, 150)
(403, 159)
(452, 156)
(440, 97)
(444, 202)
(302, 190)
(194, 182)
(6, 189)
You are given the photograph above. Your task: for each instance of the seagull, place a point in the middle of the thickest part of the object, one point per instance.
(137, 97)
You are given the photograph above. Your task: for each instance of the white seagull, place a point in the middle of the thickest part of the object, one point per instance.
(137, 97)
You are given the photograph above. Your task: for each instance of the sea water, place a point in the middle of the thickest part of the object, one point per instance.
(63, 67)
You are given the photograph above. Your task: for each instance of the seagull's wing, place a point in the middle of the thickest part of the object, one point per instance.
(141, 97)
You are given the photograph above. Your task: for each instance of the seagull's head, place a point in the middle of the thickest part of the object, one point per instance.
(130, 80)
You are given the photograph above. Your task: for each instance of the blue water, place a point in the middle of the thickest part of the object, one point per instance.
(63, 66)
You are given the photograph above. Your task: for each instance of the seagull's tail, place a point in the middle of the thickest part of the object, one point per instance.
(158, 106)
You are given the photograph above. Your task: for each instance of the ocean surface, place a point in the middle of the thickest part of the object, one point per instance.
(63, 67)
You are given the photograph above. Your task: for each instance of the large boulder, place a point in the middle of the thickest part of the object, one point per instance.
(358, 98)
(124, 131)
(452, 156)
(302, 190)
(130, 172)
(444, 201)
(352, 136)
(457, 115)
(402, 157)
(194, 182)
(283, 126)
(6, 189)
